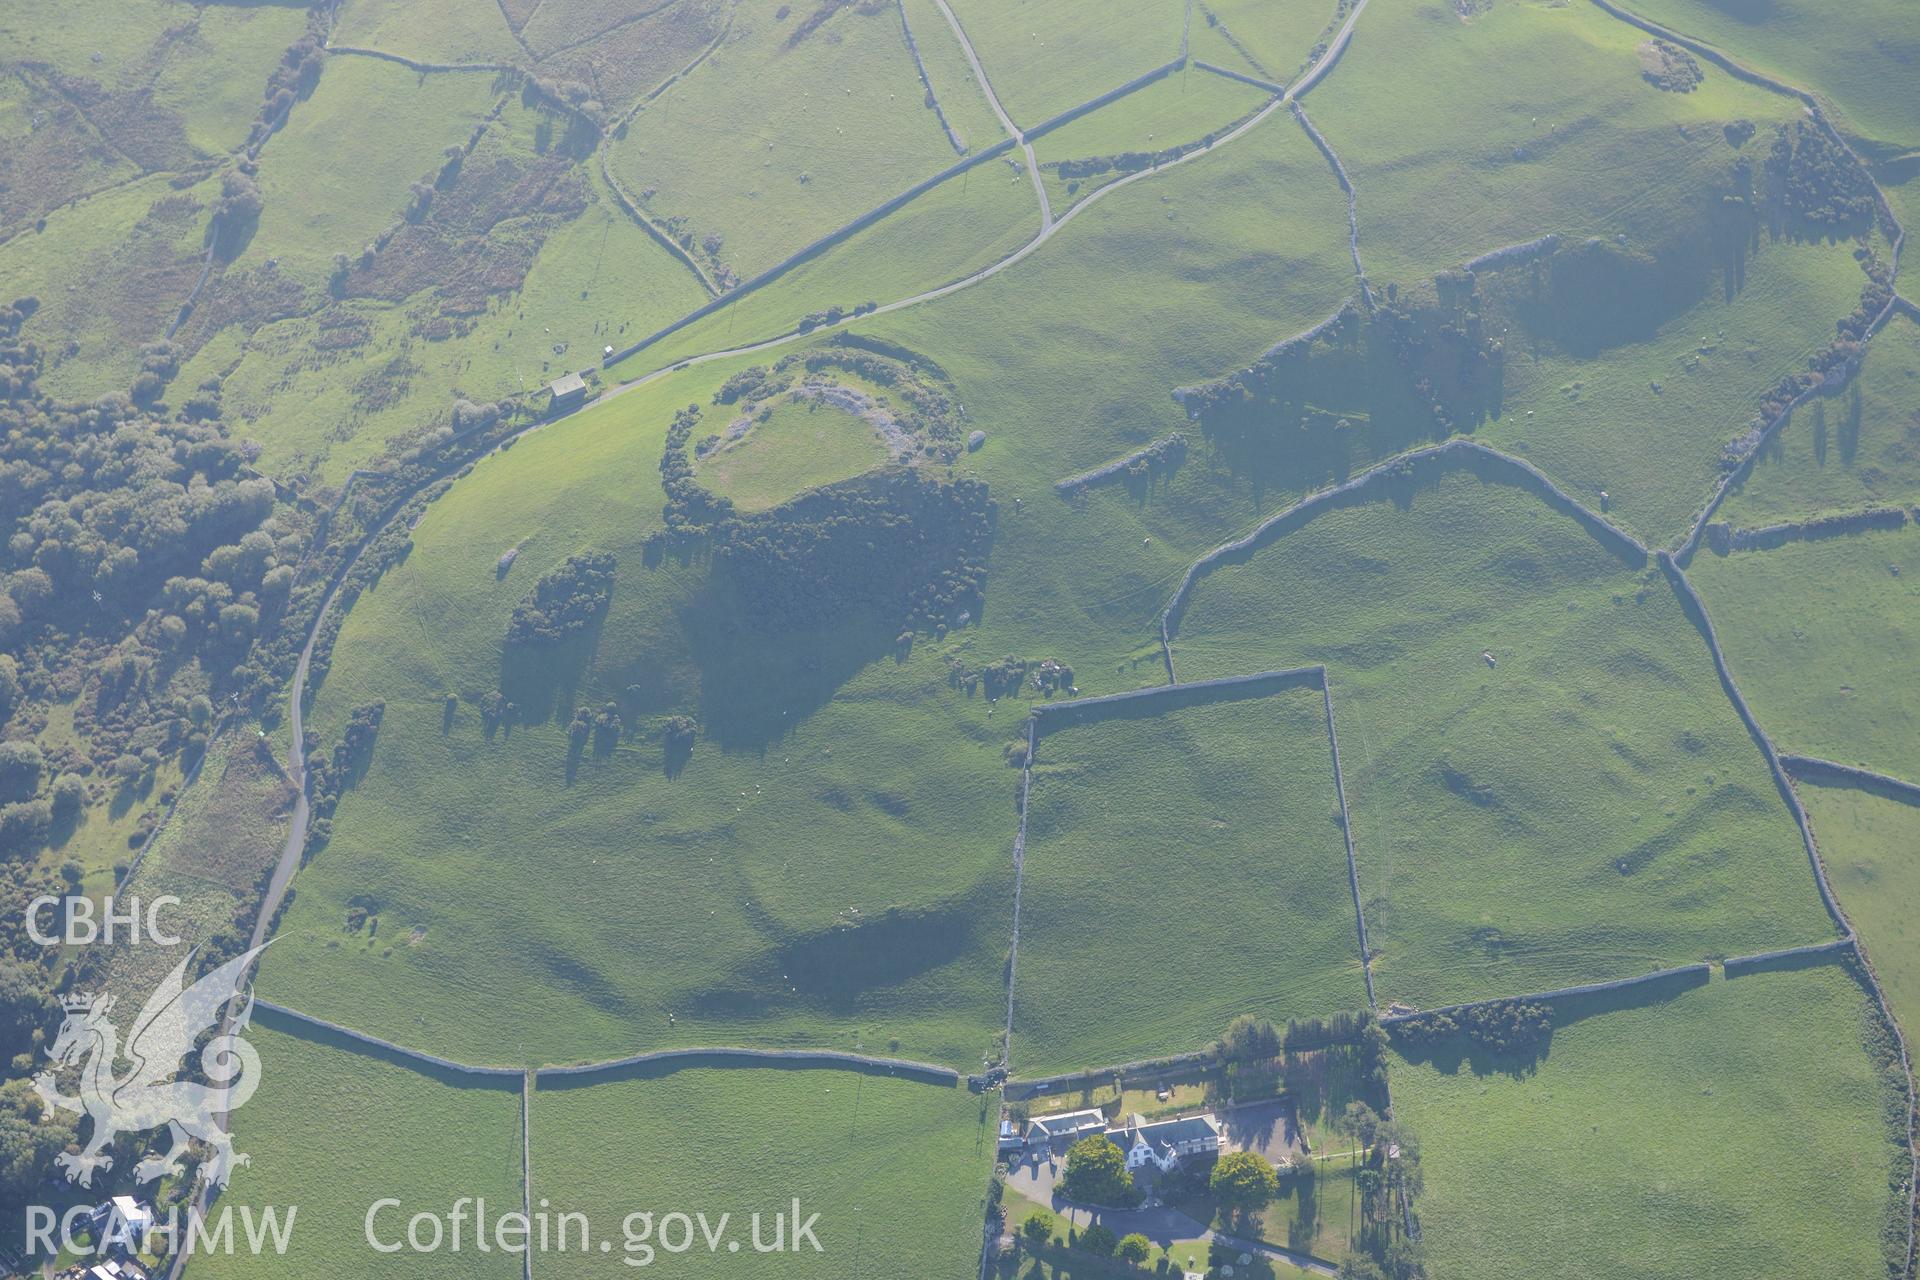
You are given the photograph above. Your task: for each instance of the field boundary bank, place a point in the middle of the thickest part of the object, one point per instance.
(1019, 881)
(414, 64)
(1111, 470)
(1353, 197)
(1402, 467)
(933, 99)
(526, 1165)
(1724, 539)
(1269, 85)
(1820, 772)
(1055, 717)
(1346, 832)
(583, 1074)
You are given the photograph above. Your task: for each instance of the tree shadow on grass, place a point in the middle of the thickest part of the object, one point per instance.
(757, 685)
(542, 680)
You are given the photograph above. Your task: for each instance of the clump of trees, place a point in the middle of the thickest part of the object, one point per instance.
(1814, 180)
(332, 774)
(565, 601)
(1510, 1027)
(1096, 1173)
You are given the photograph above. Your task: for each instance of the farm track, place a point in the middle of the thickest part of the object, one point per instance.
(1672, 564)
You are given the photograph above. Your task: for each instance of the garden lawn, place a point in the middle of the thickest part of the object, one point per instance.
(896, 1170)
(831, 868)
(815, 134)
(1633, 1147)
(1181, 869)
(1852, 450)
(1871, 845)
(1546, 782)
(1820, 637)
(1045, 56)
(332, 1130)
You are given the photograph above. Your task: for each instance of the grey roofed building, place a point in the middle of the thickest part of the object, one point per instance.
(568, 391)
(1068, 1127)
(1165, 1141)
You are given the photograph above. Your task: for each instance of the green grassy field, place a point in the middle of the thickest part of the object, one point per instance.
(1044, 56)
(1590, 807)
(325, 191)
(1632, 1147)
(1181, 870)
(109, 271)
(1841, 454)
(959, 227)
(332, 1130)
(952, 78)
(1268, 38)
(1174, 111)
(825, 129)
(437, 31)
(799, 446)
(896, 1170)
(1567, 136)
(1817, 634)
(1855, 57)
(717, 917)
(1868, 843)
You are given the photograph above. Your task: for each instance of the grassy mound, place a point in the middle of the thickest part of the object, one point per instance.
(1630, 1147)
(896, 1170)
(1181, 869)
(1817, 634)
(1547, 784)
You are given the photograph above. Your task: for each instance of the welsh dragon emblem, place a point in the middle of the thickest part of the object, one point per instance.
(149, 1096)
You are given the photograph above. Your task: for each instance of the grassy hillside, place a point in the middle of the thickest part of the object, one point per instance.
(333, 1130)
(1818, 634)
(1630, 1147)
(1546, 782)
(1181, 869)
(1272, 39)
(1853, 450)
(718, 916)
(951, 77)
(1868, 842)
(1568, 137)
(896, 1170)
(1856, 58)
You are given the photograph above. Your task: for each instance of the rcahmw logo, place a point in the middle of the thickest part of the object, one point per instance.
(147, 1096)
(262, 1232)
